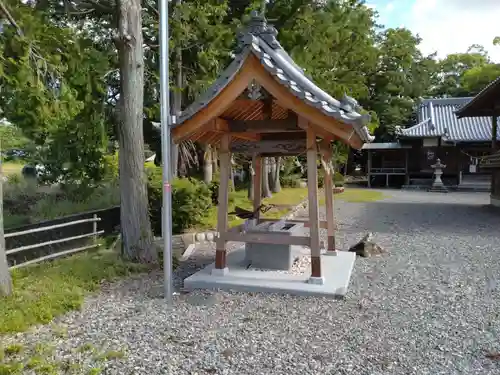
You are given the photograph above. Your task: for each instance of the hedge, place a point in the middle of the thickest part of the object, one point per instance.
(191, 201)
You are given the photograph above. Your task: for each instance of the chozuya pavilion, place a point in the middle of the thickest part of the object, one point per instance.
(264, 105)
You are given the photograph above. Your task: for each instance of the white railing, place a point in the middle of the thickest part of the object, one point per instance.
(92, 234)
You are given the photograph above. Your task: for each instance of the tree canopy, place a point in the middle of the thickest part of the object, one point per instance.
(60, 76)
(79, 78)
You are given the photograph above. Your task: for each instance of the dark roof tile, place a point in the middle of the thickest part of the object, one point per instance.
(437, 118)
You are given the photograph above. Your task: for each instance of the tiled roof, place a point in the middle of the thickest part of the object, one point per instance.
(437, 118)
(260, 40)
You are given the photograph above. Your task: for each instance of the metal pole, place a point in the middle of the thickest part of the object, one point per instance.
(165, 152)
(5, 279)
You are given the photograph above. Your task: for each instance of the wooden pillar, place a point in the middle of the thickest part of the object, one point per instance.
(494, 132)
(222, 209)
(257, 183)
(369, 168)
(407, 172)
(312, 187)
(326, 150)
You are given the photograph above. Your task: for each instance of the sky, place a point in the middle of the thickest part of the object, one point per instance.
(445, 26)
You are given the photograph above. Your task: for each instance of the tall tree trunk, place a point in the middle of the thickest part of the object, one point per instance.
(272, 171)
(266, 192)
(276, 176)
(215, 157)
(137, 238)
(231, 175)
(250, 181)
(207, 165)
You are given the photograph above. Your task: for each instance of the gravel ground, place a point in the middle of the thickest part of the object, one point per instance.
(430, 306)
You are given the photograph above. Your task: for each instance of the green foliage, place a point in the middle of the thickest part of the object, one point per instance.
(12, 137)
(110, 167)
(191, 201)
(25, 203)
(477, 78)
(338, 178)
(290, 181)
(334, 44)
(453, 68)
(401, 76)
(48, 290)
(53, 89)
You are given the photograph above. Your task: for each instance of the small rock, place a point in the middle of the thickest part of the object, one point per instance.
(227, 353)
(366, 247)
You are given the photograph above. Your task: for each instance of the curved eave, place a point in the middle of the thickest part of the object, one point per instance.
(485, 103)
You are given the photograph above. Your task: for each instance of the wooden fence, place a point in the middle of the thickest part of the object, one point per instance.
(56, 242)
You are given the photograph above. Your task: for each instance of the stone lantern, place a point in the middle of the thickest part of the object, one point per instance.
(437, 184)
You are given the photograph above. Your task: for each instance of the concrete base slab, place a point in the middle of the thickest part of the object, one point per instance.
(336, 270)
(219, 272)
(316, 280)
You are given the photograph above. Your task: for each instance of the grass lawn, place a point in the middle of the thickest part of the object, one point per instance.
(287, 196)
(11, 167)
(357, 196)
(50, 289)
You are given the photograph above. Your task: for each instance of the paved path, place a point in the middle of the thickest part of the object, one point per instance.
(431, 306)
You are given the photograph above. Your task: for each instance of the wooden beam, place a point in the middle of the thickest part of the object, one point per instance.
(222, 209)
(264, 126)
(267, 109)
(312, 188)
(284, 136)
(322, 223)
(266, 238)
(221, 126)
(217, 106)
(293, 147)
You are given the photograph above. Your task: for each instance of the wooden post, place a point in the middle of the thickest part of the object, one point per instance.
(407, 173)
(222, 209)
(494, 132)
(312, 187)
(94, 227)
(369, 167)
(330, 213)
(257, 183)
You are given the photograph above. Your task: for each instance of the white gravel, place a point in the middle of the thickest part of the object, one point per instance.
(430, 306)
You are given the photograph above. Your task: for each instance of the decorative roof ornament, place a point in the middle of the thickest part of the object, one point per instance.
(254, 90)
(258, 27)
(349, 104)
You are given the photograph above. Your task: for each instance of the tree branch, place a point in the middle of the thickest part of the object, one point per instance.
(12, 21)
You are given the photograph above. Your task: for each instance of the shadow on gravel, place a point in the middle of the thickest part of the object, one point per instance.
(191, 266)
(463, 219)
